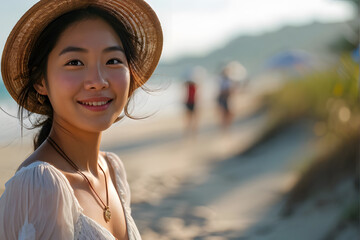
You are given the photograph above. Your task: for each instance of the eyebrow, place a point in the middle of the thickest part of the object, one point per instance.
(72, 49)
(78, 49)
(114, 48)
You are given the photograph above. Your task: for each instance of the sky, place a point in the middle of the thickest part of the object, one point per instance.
(195, 27)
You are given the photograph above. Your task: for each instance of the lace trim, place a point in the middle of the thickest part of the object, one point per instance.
(86, 228)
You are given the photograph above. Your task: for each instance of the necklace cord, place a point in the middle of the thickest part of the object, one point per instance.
(63, 154)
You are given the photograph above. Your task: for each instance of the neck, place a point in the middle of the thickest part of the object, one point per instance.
(82, 148)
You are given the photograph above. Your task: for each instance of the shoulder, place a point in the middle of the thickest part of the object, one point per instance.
(47, 157)
(38, 195)
(37, 184)
(31, 160)
(115, 162)
(35, 171)
(110, 155)
(37, 180)
(38, 171)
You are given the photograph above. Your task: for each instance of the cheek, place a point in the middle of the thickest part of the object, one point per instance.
(121, 82)
(65, 82)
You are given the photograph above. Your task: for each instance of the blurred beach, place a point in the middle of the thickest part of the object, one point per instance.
(277, 159)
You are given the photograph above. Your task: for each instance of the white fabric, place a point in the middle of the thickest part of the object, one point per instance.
(39, 203)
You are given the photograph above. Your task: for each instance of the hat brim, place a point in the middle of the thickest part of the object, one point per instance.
(137, 16)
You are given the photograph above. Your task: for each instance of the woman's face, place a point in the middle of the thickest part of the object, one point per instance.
(88, 76)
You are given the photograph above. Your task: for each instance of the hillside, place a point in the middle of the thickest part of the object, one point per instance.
(252, 51)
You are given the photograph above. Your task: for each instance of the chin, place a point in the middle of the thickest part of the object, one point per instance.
(96, 126)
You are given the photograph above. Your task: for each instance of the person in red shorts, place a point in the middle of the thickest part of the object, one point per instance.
(190, 104)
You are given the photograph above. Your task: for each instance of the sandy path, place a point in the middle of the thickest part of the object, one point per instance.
(201, 189)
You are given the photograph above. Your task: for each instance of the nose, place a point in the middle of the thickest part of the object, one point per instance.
(95, 79)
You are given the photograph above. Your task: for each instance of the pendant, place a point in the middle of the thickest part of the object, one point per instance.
(107, 214)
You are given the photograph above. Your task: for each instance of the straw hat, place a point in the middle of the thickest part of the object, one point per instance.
(137, 16)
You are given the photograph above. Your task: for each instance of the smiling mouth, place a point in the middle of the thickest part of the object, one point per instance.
(95, 104)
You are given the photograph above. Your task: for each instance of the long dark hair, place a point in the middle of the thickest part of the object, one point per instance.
(45, 43)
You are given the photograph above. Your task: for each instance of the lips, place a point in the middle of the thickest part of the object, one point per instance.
(96, 104)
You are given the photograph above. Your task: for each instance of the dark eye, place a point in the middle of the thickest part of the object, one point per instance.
(114, 61)
(74, 63)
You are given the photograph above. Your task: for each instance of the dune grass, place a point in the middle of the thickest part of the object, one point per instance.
(330, 99)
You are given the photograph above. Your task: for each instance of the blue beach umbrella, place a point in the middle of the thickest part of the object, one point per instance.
(356, 54)
(289, 59)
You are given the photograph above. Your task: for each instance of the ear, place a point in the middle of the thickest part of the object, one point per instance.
(41, 87)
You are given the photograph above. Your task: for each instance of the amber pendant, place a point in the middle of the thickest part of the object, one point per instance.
(107, 214)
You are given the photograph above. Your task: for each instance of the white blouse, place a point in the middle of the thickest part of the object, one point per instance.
(39, 203)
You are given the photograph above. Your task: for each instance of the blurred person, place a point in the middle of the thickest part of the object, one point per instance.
(225, 91)
(193, 78)
(233, 78)
(75, 63)
(190, 104)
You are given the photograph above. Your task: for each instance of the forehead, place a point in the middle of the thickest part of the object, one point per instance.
(89, 33)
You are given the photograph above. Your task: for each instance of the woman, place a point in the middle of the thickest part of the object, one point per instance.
(76, 63)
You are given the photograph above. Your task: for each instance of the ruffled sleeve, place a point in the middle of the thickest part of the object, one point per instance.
(38, 204)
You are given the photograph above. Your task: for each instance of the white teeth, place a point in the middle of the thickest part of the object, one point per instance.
(94, 103)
